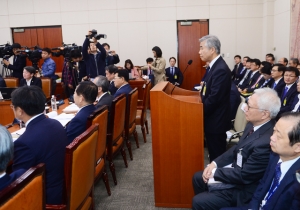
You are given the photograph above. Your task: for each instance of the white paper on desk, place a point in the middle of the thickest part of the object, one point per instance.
(71, 108)
(198, 87)
(64, 118)
(52, 114)
(15, 135)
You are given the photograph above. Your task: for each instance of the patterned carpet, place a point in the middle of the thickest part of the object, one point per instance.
(135, 188)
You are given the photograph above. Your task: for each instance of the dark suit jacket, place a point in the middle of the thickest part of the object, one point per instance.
(268, 84)
(296, 100)
(235, 100)
(112, 59)
(255, 152)
(242, 75)
(171, 77)
(280, 85)
(123, 90)
(34, 81)
(286, 196)
(2, 82)
(112, 88)
(17, 66)
(258, 85)
(105, 100)
(236, 73)
(78, 124)
(44, 141)
(287, 101)
(250, 80)
(216, 99)
(7, 179)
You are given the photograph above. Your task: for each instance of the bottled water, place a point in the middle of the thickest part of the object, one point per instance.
(53, 103)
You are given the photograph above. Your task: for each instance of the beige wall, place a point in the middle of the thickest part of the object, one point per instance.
(133, 27)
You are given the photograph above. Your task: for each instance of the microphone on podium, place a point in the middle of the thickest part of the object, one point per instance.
(189, 63)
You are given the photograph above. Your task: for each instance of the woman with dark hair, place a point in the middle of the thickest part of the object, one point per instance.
(131, 69)
(158, 66)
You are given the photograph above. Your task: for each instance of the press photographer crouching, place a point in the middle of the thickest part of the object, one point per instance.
(19, 61)
(94, 60)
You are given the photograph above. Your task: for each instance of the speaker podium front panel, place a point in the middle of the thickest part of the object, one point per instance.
(177, 143)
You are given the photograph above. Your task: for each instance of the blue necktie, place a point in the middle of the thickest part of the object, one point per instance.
(274, 185)
(284, 92)
(274, 85)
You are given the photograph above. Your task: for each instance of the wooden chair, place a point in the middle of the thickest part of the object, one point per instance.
(115, 133)
(11, 81)
(100, 116)
(141, 113)
(130, 127)
(46, 86)
(80, 171)
(27, 192)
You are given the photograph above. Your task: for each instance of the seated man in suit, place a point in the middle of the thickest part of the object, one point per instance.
(296, 103)
(284, 61)
(253, 76)
(289, 91)
(84, 96)
(110, 75)
(44, 140)
(277, 80)
(29, 78)
(242, 72)
(6, 153)
(103, 97)
(279, 188)
(231, 179)
(121, 82)
(2, 82)
(238, 67)
(173, 73)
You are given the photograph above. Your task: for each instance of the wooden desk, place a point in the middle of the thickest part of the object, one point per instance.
(6, 113)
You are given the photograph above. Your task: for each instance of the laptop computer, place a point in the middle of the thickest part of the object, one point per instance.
(6, 92)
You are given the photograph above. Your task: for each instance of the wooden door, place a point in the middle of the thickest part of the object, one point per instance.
(43, 37)
(188, 49)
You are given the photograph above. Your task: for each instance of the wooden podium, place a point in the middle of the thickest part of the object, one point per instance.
(177, 143)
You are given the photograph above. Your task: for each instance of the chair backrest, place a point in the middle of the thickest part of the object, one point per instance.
(27, 191)
(131, 108)
(145, 103)
(80, 168)
(11, 81)
(46, 86)
(240, 118)
(99, 116)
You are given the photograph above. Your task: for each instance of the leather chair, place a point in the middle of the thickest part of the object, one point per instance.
(100, 116)
(26, 192)
(115, 133)
(11, 81)
(80, 170)
(46, 86)
(239, 124)
(141, 113)
(130, 127)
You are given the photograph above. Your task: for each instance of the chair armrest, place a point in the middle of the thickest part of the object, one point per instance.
(56, 207)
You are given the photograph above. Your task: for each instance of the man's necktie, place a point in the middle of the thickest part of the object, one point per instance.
(274, 185)
(284, 92)
(274, 85)
(250, 132)
(173, 70)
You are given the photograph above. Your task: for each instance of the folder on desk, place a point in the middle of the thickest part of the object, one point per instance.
(73, 108)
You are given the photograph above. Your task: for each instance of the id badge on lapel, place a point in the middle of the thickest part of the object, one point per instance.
(239, 158)
(284, 102)
(175, 76)
(204, 89)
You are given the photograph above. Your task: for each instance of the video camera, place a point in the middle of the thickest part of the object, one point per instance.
(33, 55)
(95, 35)
(6, 51)
(66, 50)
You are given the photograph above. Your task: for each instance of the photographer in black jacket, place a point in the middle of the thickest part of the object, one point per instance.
(111, 56)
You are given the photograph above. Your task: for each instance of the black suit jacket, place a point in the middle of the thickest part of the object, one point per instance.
(296, 100)
(112, 89)
(2, 82)
(105, 100)
(268, 84)
(216, 98)
(34, 81)
(235, 100)
(278, 88)
(236, 73)
(17, 66)
(258, 85)
(7, 179)
(171, 78)
(255, 150)
(250, 80)
(288, 99)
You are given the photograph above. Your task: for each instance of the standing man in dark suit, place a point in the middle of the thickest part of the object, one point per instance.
(238, 67)
(44, 140)
(279, 188)
(84, 96)
(103, 97)
(231, 179)
(110, 75)
(121, 82)
(289, 91)
(215, 96)
(6, 153)
(19, 62)
(29, 78)
(173, 73)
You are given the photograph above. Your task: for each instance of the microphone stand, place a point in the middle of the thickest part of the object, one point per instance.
(185, 69)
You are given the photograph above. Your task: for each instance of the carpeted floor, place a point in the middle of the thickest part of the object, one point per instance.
(135, 188)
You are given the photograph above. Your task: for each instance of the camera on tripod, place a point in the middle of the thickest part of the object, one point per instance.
(95, 35)
(6, 51)
(66, 50)
(33, 55)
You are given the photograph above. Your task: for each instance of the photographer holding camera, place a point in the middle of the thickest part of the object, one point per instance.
(19, 62)
(111, 56)
(94, 60)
